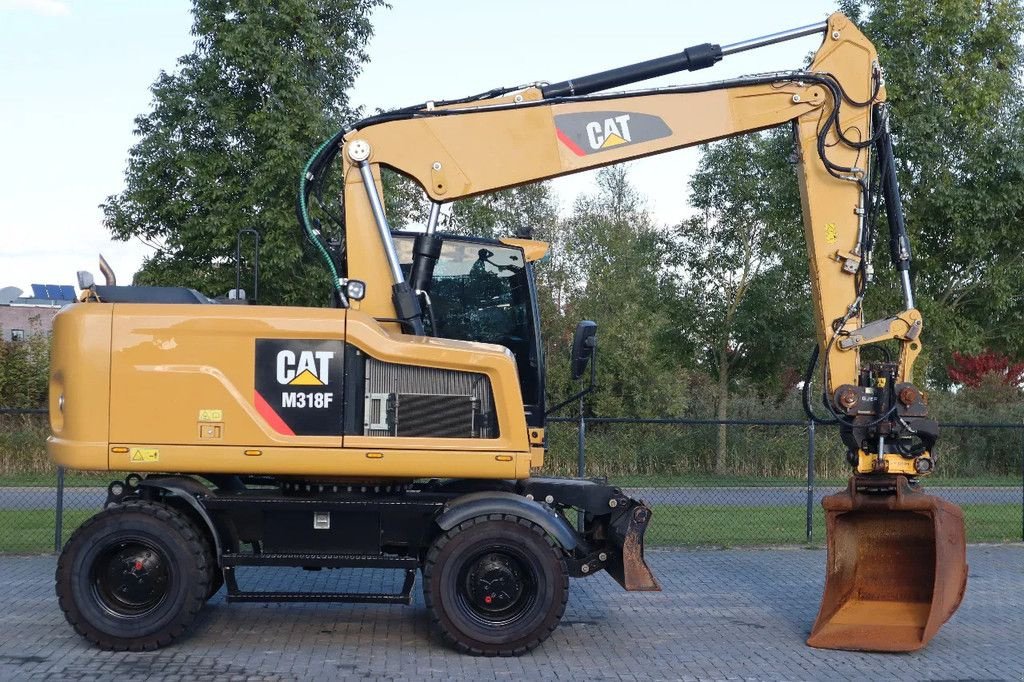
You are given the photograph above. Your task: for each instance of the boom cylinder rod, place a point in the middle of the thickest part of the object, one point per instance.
(772, 38)
(435, 214)
(383, 229)
(407, 306)
(691, 59)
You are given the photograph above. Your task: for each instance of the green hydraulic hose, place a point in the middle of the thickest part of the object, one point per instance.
(304, 214)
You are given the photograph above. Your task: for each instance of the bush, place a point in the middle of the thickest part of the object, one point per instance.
(23, 444)
(24, 371)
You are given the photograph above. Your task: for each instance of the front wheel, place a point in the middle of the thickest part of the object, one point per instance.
(495, 585)
(134, 576)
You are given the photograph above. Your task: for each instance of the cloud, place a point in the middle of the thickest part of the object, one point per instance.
(46, 8)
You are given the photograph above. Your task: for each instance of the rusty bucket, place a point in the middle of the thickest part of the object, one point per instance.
(896, 566)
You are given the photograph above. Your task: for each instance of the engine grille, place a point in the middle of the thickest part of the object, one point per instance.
(441, 416)
(405, 400)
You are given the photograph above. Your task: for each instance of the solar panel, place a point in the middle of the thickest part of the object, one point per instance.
(39, 291)
(67, 292)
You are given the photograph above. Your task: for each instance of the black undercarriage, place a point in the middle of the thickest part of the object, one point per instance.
(317, 524)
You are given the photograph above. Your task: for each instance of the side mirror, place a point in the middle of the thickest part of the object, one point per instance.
(584, 341)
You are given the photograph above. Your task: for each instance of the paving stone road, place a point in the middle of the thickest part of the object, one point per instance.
(729, 614)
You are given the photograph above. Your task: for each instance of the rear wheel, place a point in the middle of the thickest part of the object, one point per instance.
(495, 585)
(134, 576)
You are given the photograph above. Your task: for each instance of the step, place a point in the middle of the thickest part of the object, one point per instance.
(320, 560)
(237, 595)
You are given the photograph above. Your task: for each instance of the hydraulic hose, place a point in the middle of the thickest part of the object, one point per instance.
(303, 209)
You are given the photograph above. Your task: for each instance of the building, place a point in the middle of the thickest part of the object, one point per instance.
(21, 315)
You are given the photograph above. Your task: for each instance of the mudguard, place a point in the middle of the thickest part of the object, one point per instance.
(496, 502)
(189, 490)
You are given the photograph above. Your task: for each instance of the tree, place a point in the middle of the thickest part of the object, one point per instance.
(991, 380)
(227, 137)
(972, 370)
(609, 266)
(953, 75)
(518, 212)
(738, 261)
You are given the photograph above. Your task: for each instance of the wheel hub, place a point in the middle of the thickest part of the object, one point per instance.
(130, 578)
(494, 582)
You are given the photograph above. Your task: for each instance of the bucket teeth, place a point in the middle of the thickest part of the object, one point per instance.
(896, 568)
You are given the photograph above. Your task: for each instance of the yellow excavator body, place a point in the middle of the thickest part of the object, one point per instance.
(163, 387)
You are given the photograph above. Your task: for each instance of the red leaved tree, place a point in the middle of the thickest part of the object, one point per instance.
(987, 367)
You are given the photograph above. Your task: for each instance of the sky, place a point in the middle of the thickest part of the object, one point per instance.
(74, 74)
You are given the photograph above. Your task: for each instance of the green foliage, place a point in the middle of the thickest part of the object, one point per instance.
(742, 265)
(521, 211)
(607, 266)
(24, 371)
(227, 136)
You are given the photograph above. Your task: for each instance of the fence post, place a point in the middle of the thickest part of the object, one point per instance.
(58, 526)
(810, 479)
(581, 461)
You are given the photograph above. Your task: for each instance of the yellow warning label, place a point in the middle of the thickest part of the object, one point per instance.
(211, 415)
(145, 455)
(831, 233)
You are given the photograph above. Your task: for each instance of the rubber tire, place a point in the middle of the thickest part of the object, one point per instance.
(461, 543)
(216, 578)
(181, 543)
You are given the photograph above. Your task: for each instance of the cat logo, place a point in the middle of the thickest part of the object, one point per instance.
(592, 132)
(609, 133)
(310, 368)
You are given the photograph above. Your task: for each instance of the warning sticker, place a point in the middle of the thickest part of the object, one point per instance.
(211, 415)
(299, 385)
(145, 455)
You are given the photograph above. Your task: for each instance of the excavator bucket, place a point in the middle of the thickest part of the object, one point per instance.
(896, 567)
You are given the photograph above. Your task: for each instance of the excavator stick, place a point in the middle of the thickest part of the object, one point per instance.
(896, 566)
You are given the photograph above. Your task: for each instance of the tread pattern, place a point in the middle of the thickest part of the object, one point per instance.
(430, 565)
(176, 522)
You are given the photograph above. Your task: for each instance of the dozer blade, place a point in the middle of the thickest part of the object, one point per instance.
(896, 567)
(627, 565)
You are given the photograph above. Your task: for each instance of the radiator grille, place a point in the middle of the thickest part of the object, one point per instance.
(405, 400)
(440, 416)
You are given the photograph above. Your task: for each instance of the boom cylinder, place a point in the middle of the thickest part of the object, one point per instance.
(691, 59)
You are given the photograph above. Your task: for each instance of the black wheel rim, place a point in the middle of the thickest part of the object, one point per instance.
(496, 586)
(130, 578)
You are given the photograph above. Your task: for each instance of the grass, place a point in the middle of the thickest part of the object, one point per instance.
(72, 479)
(30, 531)
(729, 526)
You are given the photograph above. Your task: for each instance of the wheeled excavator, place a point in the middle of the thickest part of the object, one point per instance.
(403, 428)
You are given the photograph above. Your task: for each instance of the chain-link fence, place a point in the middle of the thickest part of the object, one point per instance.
(745, 482)
(710, 483)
